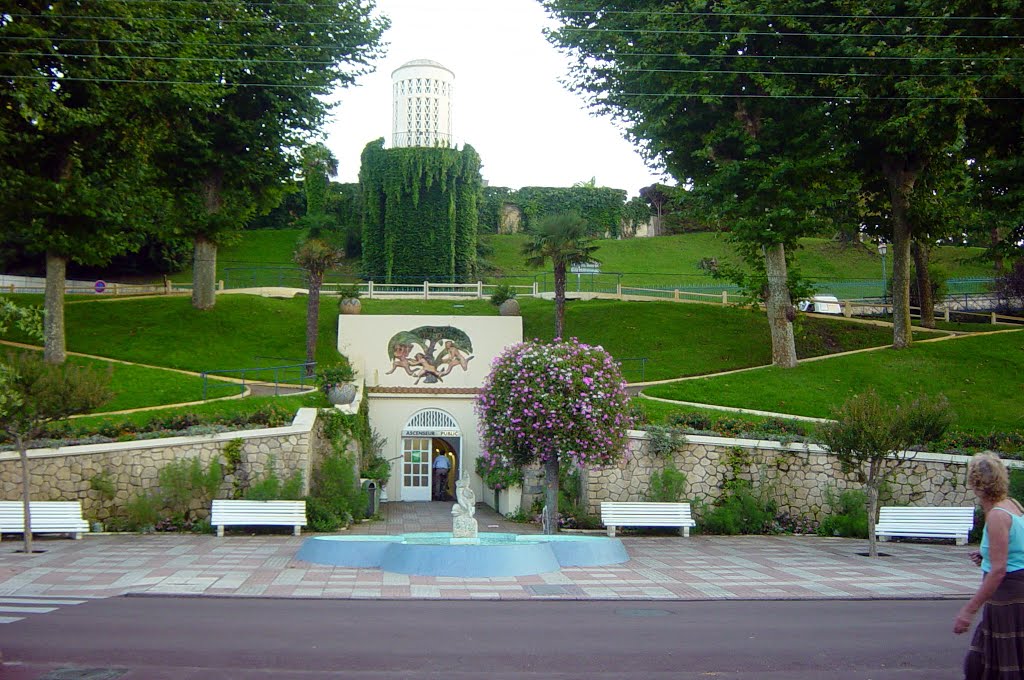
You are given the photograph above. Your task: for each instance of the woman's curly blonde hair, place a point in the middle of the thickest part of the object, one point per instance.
(988, 477)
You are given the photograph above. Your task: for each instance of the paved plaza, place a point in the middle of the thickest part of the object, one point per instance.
(661, 567)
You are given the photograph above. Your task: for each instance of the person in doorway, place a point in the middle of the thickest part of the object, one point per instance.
(998, 642)
(441, 468)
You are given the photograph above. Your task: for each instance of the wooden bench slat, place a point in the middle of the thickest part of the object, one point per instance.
(642, 514)
(226, 512)
(925, 522)
(48, 517)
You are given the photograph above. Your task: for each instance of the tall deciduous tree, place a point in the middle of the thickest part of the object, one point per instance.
(235, 139)
(561, 240)
(704, 93)
(40, 393)
(75, 140)
(871, 440)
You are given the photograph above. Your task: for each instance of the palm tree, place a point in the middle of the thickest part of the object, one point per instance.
(316, 253)
(316, 256)
(562, 239)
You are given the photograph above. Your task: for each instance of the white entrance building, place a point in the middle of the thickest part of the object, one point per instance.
(422, 375)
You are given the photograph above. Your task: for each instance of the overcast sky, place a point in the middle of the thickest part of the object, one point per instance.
(509, 104)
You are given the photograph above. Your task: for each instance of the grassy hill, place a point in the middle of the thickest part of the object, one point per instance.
(982, 376)
(661, 261)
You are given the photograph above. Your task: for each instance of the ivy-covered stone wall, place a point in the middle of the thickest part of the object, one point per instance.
(603, 209)
(796, 475)
(421, 215)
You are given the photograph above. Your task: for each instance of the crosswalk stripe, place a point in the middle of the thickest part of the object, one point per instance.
(32, 604)
(26, 610)
(37, 600)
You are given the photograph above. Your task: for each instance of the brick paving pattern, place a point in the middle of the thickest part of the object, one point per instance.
(661, 567)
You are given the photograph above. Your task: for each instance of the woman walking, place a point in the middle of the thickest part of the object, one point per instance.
(997, 649)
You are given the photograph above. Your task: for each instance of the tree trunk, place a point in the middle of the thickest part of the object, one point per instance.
(559, 299)
(901, 177)
(997, 256)
(551, 496)
(204, 273)
(54, 351)
(872, 493)
(925, 298)
(26, 492)
(316, 280)
(780, 308)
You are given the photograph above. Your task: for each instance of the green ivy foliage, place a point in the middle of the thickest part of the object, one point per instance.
(600, 207)
(420, 219)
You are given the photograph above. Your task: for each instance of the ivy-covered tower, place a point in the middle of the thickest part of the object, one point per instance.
(420, 221)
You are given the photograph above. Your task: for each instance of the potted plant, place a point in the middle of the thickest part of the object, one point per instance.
(350, 303)
(335, 381)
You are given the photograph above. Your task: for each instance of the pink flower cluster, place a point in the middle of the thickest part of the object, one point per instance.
(564, 399)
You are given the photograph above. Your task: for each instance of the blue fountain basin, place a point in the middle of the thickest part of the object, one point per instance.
(439, 554)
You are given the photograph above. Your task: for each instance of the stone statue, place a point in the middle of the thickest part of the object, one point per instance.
(463, 524)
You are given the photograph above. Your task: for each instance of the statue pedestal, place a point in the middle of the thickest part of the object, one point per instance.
(464, 527)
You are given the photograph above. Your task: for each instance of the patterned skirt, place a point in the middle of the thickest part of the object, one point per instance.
(997, 650)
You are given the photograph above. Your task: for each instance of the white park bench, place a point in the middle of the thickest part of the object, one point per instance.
(925, 522)
(47, 517)
(258, 513)
(643, 514)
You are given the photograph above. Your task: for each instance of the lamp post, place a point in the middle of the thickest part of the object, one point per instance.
(883, 248)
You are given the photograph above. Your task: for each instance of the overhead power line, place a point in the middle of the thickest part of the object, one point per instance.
(130, 41)
(761, 15)
(268, 20)
(836, 97)
(59, 79)
(243, 61)
(787, 34)
(238, 60)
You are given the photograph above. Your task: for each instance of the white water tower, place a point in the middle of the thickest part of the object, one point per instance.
(422, 115)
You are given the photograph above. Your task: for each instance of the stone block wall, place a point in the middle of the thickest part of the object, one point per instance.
(797, 475)
(65, 473)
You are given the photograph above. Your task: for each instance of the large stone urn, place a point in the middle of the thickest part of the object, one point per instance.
(350, 306)
(509, 307)
(341, 394)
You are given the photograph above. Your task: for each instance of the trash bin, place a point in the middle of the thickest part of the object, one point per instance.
(373, 498)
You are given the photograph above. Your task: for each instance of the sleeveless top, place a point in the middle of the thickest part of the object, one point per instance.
(1015, 553)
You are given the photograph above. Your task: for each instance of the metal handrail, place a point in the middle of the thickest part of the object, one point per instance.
(643, 365)
(245, 372)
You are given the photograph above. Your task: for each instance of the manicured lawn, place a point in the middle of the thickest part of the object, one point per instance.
(137, 386)
(207, 411)
(244, 331)
(674, 260)
(982, 376)
(264, 257)
(241, 331)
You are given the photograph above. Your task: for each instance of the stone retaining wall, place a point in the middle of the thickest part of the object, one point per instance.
(64, 473)
(797, 475)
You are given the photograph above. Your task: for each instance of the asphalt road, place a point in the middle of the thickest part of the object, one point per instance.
(201, 638)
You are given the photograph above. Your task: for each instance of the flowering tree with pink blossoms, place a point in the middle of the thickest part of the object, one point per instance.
(563, 402)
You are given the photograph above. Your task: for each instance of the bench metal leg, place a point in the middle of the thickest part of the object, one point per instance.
(684, 532)
(78, 536)
(611, 530)
(961, 540)
(883, 539)
(296, 530)
(220, 531)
